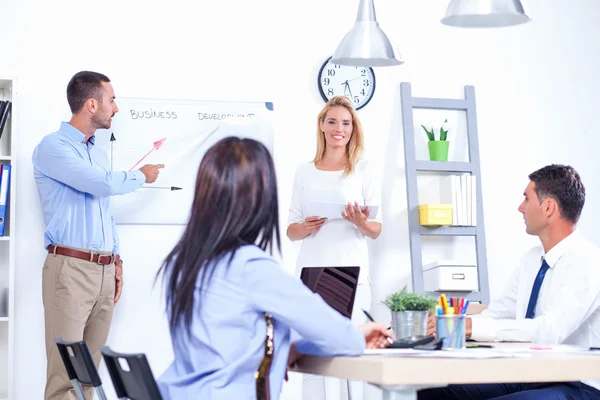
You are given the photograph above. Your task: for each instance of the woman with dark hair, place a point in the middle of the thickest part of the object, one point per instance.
(224, 291)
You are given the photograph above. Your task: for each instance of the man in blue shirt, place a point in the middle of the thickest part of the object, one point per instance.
(82, 275)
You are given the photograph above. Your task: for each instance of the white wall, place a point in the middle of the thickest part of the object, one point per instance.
(536, 88)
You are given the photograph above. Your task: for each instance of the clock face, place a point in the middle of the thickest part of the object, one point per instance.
(356, 83)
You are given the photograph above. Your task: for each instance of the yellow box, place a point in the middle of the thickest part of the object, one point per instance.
(435, 214)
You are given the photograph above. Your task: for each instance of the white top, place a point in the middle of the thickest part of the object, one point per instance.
(568, 306)
(338, 242)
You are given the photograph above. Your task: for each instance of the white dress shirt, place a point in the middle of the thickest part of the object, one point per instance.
(568, 307)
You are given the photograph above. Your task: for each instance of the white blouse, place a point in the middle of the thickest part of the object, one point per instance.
(338, 242)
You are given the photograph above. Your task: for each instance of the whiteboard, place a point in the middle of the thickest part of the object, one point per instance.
(183, 130)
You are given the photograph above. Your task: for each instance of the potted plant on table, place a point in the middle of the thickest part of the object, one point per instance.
(438, 149)
(409, 312)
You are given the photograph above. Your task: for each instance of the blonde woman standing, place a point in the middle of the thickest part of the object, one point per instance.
(336, 175)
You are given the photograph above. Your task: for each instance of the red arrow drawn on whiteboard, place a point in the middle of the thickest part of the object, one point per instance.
(156, 146)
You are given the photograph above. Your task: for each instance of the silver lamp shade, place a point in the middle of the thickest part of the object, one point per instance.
(366, 45)
(485, 13)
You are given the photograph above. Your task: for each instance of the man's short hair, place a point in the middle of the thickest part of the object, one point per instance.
(563, 184)
(84, 85)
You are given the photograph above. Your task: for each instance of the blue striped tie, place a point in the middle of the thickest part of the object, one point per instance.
(535, 291)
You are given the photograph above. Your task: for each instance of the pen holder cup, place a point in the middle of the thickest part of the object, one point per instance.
(451, 328)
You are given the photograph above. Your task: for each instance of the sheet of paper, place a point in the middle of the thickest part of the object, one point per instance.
(468, 353)
(396, 352)
(334, 210)
(560, 348)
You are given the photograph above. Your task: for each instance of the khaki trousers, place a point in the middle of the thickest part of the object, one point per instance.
(78, 298)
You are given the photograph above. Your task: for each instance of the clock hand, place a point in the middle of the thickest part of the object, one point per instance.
(358, 77)
(347, 87)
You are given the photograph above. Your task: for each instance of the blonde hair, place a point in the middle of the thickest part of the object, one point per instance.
(355, 146)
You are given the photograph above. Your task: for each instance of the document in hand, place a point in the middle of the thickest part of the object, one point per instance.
(334, 210)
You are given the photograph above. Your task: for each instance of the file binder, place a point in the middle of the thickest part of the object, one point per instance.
(3, 105)
(4, 189)
(4, 112)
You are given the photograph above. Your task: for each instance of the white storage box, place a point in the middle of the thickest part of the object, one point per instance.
(450, 276)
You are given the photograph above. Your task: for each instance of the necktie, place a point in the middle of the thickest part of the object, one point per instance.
(535, 291)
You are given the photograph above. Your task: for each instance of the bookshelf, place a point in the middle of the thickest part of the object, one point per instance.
(8, 85)
(471, 167)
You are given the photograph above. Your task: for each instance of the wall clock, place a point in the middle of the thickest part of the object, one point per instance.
(356, 83)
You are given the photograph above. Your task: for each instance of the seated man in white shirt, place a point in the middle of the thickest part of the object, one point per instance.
(553, 296)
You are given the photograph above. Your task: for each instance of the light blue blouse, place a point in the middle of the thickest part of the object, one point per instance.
(220, 356)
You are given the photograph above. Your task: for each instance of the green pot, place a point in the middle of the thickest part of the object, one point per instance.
(438, 150)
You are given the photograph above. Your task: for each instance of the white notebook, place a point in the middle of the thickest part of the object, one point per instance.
(333, 210)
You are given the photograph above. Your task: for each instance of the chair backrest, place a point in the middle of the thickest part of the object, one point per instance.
(136, 383)
(475, 308)
(79, 362)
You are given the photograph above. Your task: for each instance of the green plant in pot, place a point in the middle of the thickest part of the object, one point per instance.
(409, 312)
(438, 149)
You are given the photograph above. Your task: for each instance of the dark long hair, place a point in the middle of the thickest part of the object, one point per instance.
(235, 204)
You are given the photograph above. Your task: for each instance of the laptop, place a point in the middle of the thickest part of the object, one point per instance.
(336, 285)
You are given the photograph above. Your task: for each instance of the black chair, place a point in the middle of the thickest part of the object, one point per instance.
(80, 366)
(136, 383)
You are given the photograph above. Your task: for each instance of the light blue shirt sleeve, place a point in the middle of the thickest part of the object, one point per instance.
(57, 160)
(321, 329)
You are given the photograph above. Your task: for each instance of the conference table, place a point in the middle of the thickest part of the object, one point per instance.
(401, 376)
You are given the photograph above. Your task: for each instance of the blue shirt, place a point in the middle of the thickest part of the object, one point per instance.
(75, 183)
(226, 344)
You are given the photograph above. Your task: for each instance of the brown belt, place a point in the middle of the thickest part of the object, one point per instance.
(84, 255)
